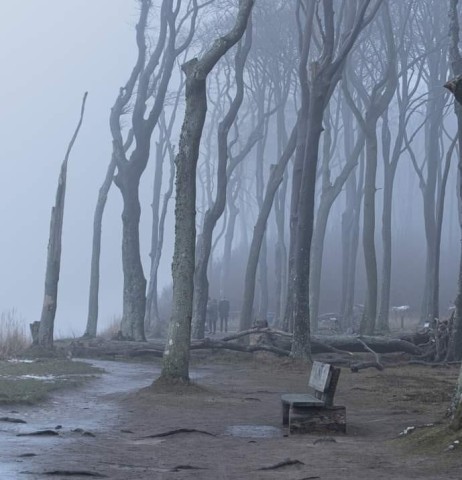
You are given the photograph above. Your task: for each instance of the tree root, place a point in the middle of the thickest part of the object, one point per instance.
(285, 463)
(178, 430)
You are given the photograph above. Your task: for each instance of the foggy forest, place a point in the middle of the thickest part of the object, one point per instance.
(206, 203)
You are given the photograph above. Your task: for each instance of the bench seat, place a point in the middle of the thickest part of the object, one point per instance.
(301, 400)
(297, 400)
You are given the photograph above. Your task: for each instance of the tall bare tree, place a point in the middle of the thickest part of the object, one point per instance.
(337, 40)
(145, 94)
(47, 319)
(382, 83)
(217, 207)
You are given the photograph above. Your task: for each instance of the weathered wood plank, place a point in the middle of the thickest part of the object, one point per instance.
(320, 376)
(317, 419)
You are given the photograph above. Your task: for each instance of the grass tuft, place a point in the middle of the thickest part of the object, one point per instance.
(14, 335)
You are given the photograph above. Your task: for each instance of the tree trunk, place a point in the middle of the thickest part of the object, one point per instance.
(47, 319)
(176, 356)
(259, 183)
(275, 179)
(383, 325)
(92, 319)
(217, 207)
(152, 313)
(304, 231)
(370, 259)
(134, 289)
(280, 218)
(437, 71)
(175, 364)
(350, 224)
(229, 236)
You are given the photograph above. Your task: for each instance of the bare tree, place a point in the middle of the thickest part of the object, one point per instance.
(151, 76)
(175, 364)
(164, 148)
(216, 209)
(382, 90)
(47, 320)
(410, 75)
(433, 39)
(352, 211)
(330, 189)
(336, 43)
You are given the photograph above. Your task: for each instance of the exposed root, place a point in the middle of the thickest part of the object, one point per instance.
(177, 431)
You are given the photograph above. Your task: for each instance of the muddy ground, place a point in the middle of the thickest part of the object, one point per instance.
(106, 428)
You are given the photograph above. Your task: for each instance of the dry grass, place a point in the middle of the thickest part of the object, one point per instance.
(14, 335)
(112, 329)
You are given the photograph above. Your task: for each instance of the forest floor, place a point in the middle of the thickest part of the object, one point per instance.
(108, 429)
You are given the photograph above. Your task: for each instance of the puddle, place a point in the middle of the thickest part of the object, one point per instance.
(253, 431)
(47, 378)
(90, 408)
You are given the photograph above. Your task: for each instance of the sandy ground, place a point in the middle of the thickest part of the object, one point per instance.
(236, 408)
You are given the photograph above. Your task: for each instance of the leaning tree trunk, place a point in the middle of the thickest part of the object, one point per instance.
(152, 309)
(262, 257)
(175, 365)
(275, 179)
(47, 319)
(229, 236)
(92, 319)
(330, 192)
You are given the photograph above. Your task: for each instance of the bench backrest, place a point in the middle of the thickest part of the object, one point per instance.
(323, 380)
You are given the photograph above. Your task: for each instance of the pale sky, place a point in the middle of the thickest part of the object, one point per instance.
(51, 51)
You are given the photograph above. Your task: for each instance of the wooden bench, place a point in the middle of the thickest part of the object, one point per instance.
(307, 413)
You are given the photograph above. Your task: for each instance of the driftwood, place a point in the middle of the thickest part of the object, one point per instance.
(268, 340)
(355, 367)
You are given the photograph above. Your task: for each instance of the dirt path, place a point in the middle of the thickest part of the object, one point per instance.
(238, 408)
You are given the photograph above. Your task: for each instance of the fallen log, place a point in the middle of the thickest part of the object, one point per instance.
(351, 343)
(278, 343)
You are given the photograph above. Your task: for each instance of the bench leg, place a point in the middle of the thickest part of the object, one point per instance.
(285, 414)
